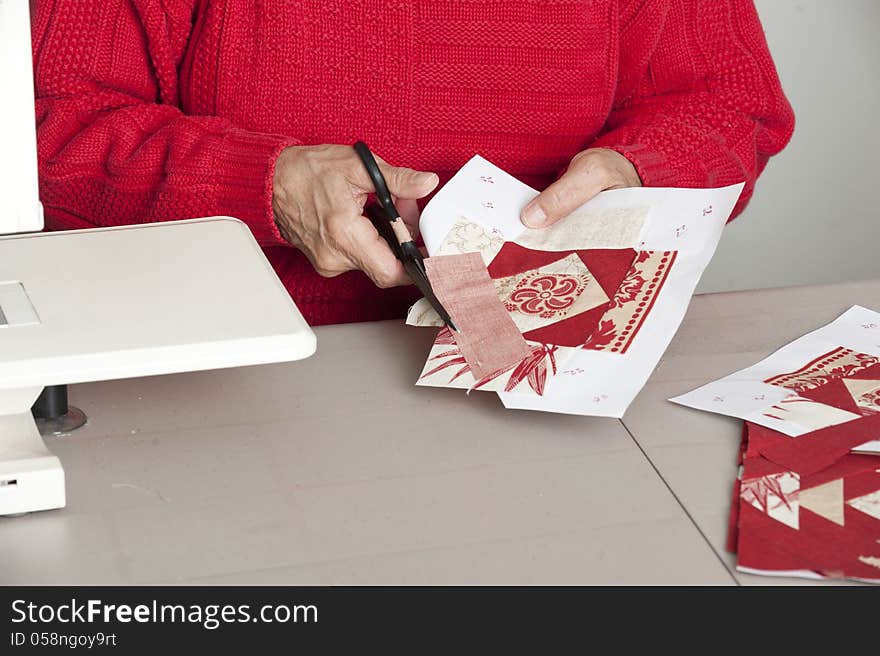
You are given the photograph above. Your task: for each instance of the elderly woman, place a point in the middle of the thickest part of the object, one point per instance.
(151, 110)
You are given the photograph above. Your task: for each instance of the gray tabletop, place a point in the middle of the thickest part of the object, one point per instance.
(339, 470)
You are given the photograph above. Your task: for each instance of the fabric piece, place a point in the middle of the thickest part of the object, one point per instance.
(608, 268)
(589, 229)
(563, 295)
(470, 237)
(820, 546)
(632, 302)
(837, 363)
(835, 394)
(868, 504)
(825, 500)
(808, 414)
(487, 336)
(447, 367)
(816, 371)
(812, 452)
(552, 293)
(829, 548)
(422, 313)
(865, 394)
(871, 447)
(856, 390)
(775, 494)
(832, 536)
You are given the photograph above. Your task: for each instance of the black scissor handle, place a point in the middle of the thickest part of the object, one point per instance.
(378, 180)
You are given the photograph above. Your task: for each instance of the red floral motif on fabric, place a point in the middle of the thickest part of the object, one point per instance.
(602, 336)
(545, 294)
(629, 289)
(870, 402)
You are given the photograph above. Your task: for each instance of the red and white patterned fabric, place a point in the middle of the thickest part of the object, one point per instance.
(555, 298)
(807, 506)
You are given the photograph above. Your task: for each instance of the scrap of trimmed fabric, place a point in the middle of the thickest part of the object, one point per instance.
(488, 340)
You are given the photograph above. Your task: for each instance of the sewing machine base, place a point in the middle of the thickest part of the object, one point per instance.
(31, 478)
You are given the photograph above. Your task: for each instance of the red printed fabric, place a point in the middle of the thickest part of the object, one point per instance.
(841, 378)
(811, 452)
(632, 303)
(825, 520)
(553, 299)
(857, 392)
(554, 295)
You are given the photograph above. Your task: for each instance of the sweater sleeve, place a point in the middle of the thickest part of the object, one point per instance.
(698, 102)
(114, 146)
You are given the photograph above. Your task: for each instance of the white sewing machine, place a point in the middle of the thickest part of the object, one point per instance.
(104, 304)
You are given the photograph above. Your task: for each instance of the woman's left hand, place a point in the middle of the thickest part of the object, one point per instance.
(590, 172)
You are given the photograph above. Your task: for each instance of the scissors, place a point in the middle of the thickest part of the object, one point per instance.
(386, 218)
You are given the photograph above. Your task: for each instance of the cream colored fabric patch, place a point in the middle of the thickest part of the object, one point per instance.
(868, 504)
(776, 495)
(464, 237)
(808, 414)
(825, 500)
(469, 237)
(873, 561)
(871, 448)
(865, 393)
(551, 293)
(616, 227)
(422, 313)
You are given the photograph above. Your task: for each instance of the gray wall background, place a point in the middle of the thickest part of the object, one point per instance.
(815, 216)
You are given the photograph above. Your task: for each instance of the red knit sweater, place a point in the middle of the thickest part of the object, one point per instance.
(150, 110)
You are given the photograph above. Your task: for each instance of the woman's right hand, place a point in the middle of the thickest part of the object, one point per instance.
(318, 199)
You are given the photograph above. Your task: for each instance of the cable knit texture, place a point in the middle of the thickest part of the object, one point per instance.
(152, 110)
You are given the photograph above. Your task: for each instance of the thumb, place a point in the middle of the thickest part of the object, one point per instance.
(408, 183)
(560, 199)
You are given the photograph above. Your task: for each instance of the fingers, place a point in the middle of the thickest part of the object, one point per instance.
(353, 244)
(590, 172)
(370, 253)
(408, 183)
(318, 197)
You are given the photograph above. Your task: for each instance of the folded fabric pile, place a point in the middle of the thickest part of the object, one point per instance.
(572, 318)
(807, 499)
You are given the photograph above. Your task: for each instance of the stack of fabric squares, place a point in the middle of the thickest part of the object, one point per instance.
(806, 501)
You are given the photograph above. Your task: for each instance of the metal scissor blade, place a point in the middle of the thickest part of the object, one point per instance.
(420, 279)
(411, 258)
